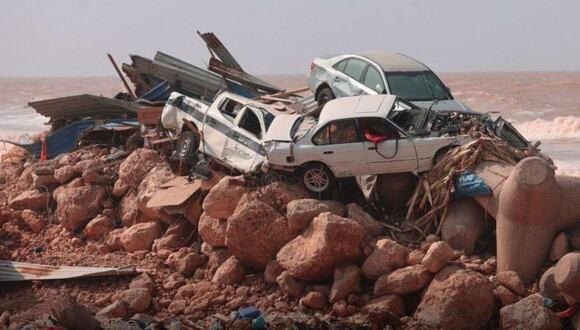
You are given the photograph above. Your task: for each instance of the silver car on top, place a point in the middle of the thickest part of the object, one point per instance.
(380, 73)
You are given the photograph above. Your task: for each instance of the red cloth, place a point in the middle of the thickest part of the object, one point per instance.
(43, 149)
(374, 138)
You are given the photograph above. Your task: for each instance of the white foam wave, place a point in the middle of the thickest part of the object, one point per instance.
(561, 127)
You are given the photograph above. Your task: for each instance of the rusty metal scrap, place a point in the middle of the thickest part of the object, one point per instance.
(11, 271)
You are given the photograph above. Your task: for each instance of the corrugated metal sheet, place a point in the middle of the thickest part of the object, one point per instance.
(21, 271)
(85, 105)
(215, 45)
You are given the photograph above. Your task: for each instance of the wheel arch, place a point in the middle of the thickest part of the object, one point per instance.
(442, 151)
(320, 88)
(316, 162)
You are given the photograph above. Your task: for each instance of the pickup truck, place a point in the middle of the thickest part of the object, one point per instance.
(229, 130)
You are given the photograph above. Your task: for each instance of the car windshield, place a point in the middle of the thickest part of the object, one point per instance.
(417, 86)
(302, 126)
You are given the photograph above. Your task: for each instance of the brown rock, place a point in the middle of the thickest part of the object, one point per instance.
(178, 306)
(173, 281)
(128, 211)
(44, 182)
(505, 296)
(114, 239)
(30, 200)
(86, 164)
(272, 271)
(314, 299)
(212, 230)
(142, 281)
(174, 258)
(177, 235)
(437, 256)
(35, 222)
(529, 313)
(512, 281)
(330, 241)
(567, 275)
(346, 281)
(65, 174)
(187, 265)
(559, 247)
(403, 281)
(99, 227)
(221, 201)
(77, 206)
(150, 184)
(575, 238)
(255, 233)
(489, 266)
(340, 308)
(277, 195)
(387, 256)
(548, 287)
(140, 236)
(457, 299)
(382, 306)
(185, 291)
(138, 300)
(290, 285)
(300, 212)
(216, 258)
(117, 309)
(94, 177)
(415, 257)
(137, 165)
(230, 272)
(371, 226)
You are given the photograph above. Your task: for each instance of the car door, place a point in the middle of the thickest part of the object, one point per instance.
(347, 80)
(243, 149)
(388, 149)
(338, 145)
(216, 125)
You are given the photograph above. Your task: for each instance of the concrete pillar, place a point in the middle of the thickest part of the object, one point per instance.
(464, 222)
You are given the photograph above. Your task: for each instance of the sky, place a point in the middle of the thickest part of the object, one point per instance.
(71, 38)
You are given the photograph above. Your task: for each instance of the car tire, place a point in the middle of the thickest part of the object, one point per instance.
(324, 96)
(317, 178)
(187, 146)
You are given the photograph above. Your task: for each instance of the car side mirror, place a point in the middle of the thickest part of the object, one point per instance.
(379, 89)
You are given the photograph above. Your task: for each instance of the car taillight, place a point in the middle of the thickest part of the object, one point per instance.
(312, 65)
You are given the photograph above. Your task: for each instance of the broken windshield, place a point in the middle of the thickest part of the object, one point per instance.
(417, 86)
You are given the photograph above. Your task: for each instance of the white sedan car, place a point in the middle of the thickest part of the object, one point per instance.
(362, 135)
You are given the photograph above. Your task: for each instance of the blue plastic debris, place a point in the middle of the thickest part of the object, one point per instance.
(469, 184)
(259, 323)
(248, 313)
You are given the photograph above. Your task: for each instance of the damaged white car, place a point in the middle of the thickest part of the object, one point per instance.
(363, 135)
(230, 130)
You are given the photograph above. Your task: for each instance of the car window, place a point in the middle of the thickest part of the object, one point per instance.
(340, 65)
(373, 79)
(337, 132)
(354, 68)
(251, 123)
(417, 86)
(230, 108)
(377, 129)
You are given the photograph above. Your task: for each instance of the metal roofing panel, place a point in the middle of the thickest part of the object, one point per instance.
(85, 105)
(21, 271)
(220, 50)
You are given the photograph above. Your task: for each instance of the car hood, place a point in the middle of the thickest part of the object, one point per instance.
(445, 105)
(281, 128)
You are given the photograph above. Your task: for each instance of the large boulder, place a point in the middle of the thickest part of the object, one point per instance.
(75, 207)
(371, 226)
(255, 233)
(65, 174)
(212, 230)
(300, 212)
(221, 201)
(457, 299)
(330, 241)
(387, 256)
(140, 236)
(528, 313)
(149, 186)
(277, 195)
(403, 281)
(137, 165)
(30, 200)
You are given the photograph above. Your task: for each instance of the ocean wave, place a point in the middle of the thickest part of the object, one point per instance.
(561, 127)
(567, 167)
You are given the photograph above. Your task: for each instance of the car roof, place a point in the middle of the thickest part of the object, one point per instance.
(357, 106)
(395, 62)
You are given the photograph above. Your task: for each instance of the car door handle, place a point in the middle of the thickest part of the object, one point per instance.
(328, 152)
(373, 148)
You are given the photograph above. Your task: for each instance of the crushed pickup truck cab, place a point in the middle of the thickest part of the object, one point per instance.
(229, 130)
(363, 135)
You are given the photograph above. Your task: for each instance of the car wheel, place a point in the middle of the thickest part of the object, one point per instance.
(324, 96)
(317, 178)
(187, 146)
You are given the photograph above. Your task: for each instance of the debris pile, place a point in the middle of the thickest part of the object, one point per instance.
(296, 259)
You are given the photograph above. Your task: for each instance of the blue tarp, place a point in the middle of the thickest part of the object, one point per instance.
(469, 184)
